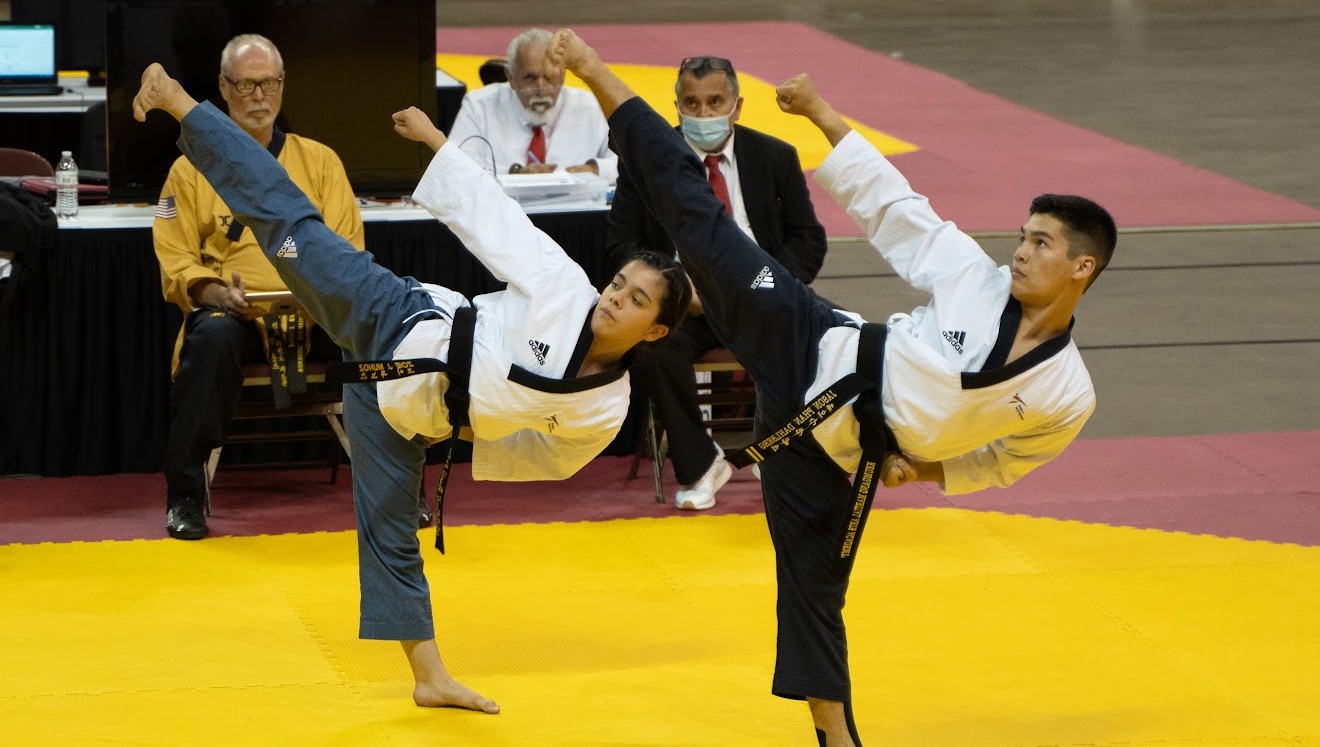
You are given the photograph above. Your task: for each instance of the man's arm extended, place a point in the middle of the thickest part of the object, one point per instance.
(798, 95)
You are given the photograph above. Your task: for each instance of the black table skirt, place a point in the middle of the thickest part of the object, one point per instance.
(84, 354)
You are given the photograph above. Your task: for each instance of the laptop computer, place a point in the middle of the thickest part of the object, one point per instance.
(27, 60)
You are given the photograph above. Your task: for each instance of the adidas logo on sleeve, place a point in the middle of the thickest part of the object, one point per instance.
(956, 339)
(540, 350)
(764, 279)
(289, 250)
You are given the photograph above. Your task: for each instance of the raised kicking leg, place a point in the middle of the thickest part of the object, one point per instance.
(771, 327)
(355, 300)
(247, 191)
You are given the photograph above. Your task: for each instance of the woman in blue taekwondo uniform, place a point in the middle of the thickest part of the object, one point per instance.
(539, 369)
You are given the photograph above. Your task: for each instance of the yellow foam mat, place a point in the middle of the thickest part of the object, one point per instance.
(967, 629)
(655, 84)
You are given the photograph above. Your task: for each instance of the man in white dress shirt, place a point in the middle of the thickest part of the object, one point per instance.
(532, 124)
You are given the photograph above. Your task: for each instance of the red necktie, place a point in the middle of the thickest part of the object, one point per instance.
(536, 151)
(717, 183)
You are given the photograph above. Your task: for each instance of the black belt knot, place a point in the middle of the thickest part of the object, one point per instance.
(458, 371)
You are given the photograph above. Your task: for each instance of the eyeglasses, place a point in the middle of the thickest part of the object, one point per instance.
(246, 87)
(699, 66)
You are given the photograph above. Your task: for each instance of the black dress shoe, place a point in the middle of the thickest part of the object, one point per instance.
(185, 518)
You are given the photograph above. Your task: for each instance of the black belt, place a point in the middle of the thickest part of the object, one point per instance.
(457, 400)
(458, 369)
(286, 351)
(876, 439)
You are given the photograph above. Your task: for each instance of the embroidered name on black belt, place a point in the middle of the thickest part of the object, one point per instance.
(286, 351)
(817, 410)
(457, 400)
(358, 372)
(875, 437)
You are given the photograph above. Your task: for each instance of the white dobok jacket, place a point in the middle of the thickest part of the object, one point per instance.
(528, 420)
(987, 428)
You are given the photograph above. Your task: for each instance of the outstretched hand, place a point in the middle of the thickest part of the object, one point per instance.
(236, 301)
(413, 124)
(567, 52)
(797, 95)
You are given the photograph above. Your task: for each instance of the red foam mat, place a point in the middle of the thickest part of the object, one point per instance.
(1262, 486)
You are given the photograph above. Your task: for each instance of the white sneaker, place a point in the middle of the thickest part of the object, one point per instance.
(700, 495)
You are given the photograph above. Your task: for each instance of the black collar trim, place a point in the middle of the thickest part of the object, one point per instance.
(523, 377)
(995, 370)
(276, 142)
(576, 384)
(585, 338)
(1008, 325)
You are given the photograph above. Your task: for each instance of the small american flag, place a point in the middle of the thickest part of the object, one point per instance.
(165, 208)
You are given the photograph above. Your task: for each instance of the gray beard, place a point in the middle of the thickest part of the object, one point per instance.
(536, 117)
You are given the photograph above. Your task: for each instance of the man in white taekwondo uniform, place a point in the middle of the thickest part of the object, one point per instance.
(542, 364)
(973, 390)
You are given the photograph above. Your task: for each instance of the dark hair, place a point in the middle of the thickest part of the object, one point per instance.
(1091, 228)
(678, 291)
(704, 65)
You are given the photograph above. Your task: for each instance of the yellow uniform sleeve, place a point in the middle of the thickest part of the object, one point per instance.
(177, 235)
(337, 202)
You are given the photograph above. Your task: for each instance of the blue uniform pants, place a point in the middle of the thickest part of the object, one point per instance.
(366, 310)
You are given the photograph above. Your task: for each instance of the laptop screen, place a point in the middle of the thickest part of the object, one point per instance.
(27, 54)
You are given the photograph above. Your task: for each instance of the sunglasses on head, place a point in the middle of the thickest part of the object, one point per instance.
(704, 64)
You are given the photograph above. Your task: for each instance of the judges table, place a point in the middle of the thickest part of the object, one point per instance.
(84, 359)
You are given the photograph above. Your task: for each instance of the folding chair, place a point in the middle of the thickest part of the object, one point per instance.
(19, 162)
(255, 404)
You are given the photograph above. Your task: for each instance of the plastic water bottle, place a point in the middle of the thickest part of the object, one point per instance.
(66, 186)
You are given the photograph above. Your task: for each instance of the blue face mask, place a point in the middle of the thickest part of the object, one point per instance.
(707, 133)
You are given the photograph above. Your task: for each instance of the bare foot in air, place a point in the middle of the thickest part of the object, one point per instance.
(160, 91)
(452, 694)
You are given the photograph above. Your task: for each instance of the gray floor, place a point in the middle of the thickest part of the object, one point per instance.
(1189, 331)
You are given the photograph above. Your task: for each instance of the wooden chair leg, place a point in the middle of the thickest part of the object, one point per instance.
(342, 448)
(340, 433)
(336, 452)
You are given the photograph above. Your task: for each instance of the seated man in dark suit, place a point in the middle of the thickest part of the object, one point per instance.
(760, 181)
